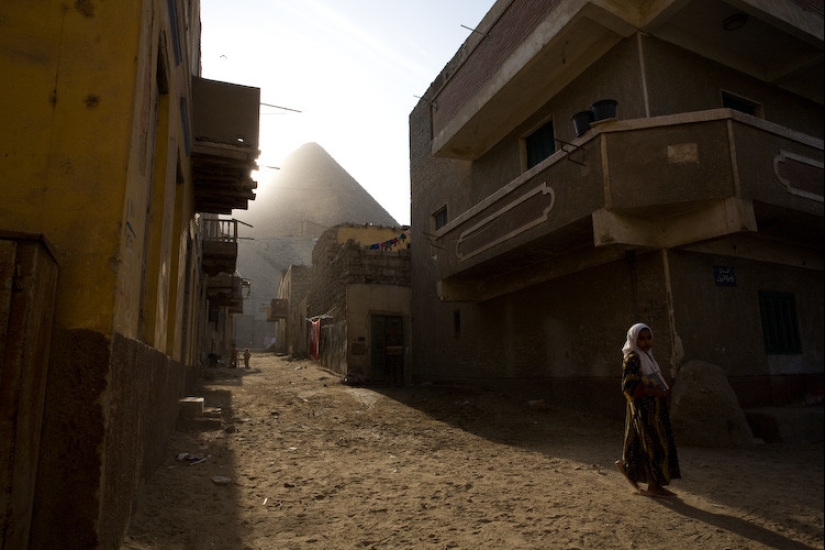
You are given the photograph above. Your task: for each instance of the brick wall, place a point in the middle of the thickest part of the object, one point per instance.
(517, 21)
(814, 6)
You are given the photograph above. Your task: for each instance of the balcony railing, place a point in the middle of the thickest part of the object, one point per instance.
(220, 245)
(217, 230)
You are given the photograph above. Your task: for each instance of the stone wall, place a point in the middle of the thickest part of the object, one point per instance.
(111, 406)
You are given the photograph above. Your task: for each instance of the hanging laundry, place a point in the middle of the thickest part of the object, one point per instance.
(315, 340)
(388, 245)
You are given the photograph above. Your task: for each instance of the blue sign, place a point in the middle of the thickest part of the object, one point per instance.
(724, 275)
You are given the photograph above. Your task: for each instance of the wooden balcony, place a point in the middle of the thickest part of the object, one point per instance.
(278, 309)
(225, 290)
(220, 245)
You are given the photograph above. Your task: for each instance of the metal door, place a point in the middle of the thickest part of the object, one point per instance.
(387, 349)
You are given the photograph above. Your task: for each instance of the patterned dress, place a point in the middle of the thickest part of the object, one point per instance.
(649, 453)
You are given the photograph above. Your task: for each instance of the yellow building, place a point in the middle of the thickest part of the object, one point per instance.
(113, 154)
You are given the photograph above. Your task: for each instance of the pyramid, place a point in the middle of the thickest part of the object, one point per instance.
(311, 186)
(309, 194)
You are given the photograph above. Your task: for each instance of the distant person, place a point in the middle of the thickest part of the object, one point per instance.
(234, 363)
(649, 453)
(246, 356)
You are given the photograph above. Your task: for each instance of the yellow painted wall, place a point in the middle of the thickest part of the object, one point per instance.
(64, 149)
(156, 122)
(92, 157)
(369, 234)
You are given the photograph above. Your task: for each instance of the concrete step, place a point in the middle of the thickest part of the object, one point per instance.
(192, 415)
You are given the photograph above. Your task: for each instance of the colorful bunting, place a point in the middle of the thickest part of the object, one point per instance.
(388, 245)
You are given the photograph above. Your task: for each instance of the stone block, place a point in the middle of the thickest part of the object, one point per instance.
(705, 411)
(190, 407)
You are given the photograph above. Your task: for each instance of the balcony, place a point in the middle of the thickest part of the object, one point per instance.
(225, 290)
(278, 309)
(225, 146)
(637, 185)
(220, 245)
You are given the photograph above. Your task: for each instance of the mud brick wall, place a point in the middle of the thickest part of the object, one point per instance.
(337, 265)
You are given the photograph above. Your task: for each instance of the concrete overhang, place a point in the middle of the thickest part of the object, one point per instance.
(561, 47)
(225, 126)
(779, 42)
(697, 222)
(776, 42)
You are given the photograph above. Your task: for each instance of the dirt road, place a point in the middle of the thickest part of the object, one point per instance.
(299, 460)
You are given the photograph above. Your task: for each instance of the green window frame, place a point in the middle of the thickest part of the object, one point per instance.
(780, 324)
(540, 144)
(440, 218)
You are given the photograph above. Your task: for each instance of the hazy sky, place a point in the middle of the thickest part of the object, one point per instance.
(352, 67)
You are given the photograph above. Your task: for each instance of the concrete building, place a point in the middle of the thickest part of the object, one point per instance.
(292, 291)
(359, 303)
(116, 160)
(579, 166)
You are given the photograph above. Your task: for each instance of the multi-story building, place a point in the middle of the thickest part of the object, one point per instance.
(582, 165)
(112, 147)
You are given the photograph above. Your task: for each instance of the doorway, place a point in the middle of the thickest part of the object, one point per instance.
(387, 349)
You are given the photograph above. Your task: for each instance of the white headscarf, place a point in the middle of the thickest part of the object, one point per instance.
(650, 367)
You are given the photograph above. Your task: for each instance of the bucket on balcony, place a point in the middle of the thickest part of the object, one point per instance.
(604, 109)
(581, 121)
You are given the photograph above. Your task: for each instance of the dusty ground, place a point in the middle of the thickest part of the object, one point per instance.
(312, 463)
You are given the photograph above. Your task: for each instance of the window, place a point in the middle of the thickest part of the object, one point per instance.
(740, 104)
(540, 144)
(440, 218)
(780, 327)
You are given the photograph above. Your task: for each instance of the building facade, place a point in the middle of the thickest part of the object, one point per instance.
(359, 303)
(116, 160)
(580, 166)
(292, 290)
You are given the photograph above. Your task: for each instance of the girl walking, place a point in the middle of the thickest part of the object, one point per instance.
(649, 453)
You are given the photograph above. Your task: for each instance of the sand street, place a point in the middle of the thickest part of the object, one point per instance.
(295, 459)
